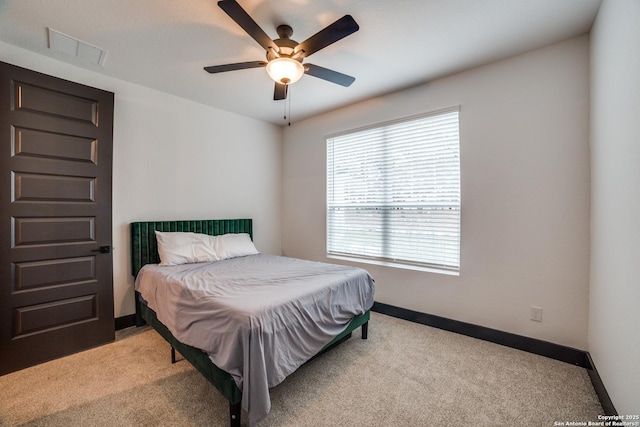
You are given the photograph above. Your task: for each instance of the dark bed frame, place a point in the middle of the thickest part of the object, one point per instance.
(144, 250)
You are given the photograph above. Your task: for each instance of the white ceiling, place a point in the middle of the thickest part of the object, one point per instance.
(164, 44)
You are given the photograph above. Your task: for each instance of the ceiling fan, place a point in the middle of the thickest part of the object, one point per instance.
(284, 55)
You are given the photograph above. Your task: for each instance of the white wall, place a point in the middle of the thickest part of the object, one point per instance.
(614, 316)
(176, 159)
(525, 193)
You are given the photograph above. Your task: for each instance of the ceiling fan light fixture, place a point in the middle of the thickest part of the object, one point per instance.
(285, 70)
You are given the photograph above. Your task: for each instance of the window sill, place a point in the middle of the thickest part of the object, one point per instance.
(396, 265)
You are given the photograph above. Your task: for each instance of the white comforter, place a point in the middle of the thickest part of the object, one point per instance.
(258, 317)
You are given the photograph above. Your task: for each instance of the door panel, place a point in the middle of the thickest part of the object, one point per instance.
(53, 231)
(43, 144)
(40, 274)
(56, 290)
(55, 102)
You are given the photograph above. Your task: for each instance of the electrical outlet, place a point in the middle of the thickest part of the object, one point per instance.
(536, 314)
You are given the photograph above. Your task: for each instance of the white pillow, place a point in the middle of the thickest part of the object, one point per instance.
(177, 248)
(234, 245)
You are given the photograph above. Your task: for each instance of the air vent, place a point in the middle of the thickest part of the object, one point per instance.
(70, 46)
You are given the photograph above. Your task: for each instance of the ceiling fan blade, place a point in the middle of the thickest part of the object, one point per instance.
(280, 92)
(233, 67)
(328, 75)
(331, 34)
(242, 18)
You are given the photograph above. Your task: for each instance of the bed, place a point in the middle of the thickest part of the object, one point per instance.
(301, 317)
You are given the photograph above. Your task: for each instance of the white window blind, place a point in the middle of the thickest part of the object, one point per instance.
(393, 192)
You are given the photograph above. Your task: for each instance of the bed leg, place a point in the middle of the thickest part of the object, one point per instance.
(173, 355)
(365, 330)
(234, 414)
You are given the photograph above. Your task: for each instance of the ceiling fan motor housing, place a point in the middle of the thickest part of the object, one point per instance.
(285, 44)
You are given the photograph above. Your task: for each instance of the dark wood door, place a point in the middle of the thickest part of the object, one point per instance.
(56, 276)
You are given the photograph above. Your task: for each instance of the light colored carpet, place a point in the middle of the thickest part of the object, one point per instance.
(405, 374)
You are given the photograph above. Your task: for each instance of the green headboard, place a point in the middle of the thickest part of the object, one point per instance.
(144, 248)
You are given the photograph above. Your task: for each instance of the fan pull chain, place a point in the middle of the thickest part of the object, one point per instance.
(287, 104)
(289, 101)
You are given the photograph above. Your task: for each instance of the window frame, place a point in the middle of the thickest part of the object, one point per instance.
(453, 269)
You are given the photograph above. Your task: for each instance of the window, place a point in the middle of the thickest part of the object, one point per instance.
(393, 192)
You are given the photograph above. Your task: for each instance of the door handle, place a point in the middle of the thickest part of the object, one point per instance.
(103, 249)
